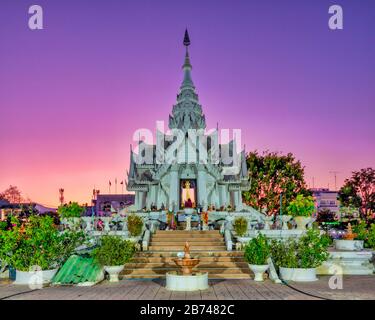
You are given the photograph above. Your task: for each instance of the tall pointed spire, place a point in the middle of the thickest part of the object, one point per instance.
(186, 39)
(187, 113)
(187, 83)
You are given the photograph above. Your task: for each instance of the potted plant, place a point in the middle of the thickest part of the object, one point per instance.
(301, 209)
(240, 226)
(37, 249)
(135, 226)
(353, 240)
(257, 251)
(298, 260)
(112, 253)
(71, 213)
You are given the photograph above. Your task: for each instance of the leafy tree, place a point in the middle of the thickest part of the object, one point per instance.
(71, 210)
(12, 195)
(272, 173)
(359, 191)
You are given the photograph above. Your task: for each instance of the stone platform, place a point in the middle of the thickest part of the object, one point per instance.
(348, 263)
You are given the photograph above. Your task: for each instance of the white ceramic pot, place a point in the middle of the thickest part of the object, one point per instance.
(298, 274)
(194, 282)
(113, 272)
(302, 222)
(34, 278)
(267, 222)
(349, 245)
(285, 219)
(258, 270)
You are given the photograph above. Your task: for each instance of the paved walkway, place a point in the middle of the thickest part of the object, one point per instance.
(354, 288)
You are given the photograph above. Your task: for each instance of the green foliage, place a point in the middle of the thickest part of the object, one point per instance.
(257, 251)
(135, 225)
(310, 251)
(71, 210)
(326, 238)
(270, 174)
(240, 226)
(38, 243)
(361, 230)
(301, 206)
(359, 191)
(371, 236)
(114, 251)
(3, 225)
(284, 253)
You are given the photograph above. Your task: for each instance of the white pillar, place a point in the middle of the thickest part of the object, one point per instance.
(223, 195)
(136, 200)
(173, 189)
(202, 190)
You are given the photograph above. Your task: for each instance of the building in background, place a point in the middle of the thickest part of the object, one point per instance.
(107, 203)
(326, 199)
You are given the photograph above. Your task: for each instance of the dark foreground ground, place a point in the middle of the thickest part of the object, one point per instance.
(354, 288)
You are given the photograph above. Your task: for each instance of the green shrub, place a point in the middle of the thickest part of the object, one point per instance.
(301, 206)
(240, 226)
(114, 251)
(310, 251)
(361, 230)
(371, 236)
(3, 225)
(135, 225)
(257, 251)
(284, 253)
(71, 210)
(39, 243)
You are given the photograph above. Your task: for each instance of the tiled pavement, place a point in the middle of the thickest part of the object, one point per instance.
(354, 288)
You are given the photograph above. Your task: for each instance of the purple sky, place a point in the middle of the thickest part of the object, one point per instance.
(72, 95)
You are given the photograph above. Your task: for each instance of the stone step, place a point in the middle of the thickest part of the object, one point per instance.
(171, 264)
(202, 259)
(187, 236)
(192, 232)
(191, 243)
(163, 271)
(179, 248)
(194, 253)
(210, 276)
(183, 237)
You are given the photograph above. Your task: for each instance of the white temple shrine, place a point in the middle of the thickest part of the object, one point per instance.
(187, 167)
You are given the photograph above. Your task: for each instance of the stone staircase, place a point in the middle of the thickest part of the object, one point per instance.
(208, 246)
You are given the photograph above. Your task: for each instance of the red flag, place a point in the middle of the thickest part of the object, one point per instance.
(122, 182)
(110, 182)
